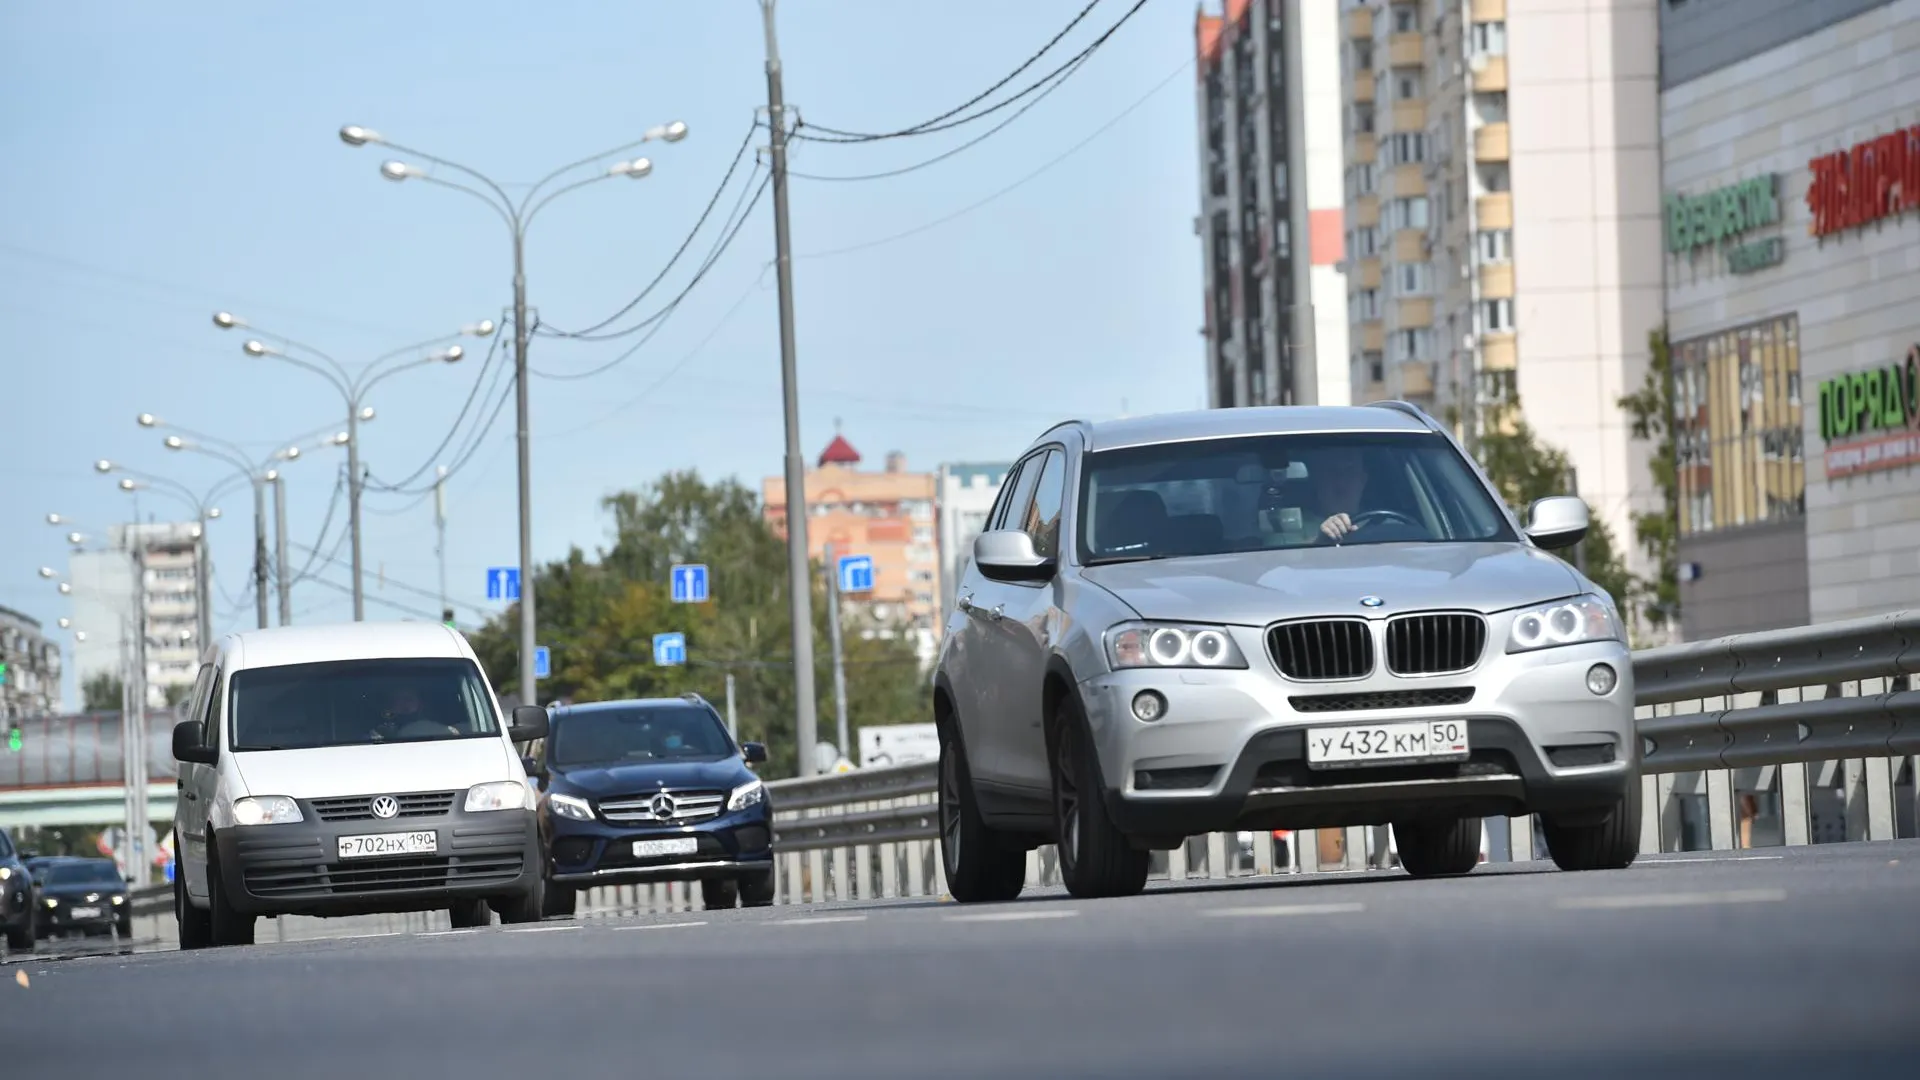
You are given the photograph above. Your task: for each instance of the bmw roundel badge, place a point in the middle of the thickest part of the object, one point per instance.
(1371, 601)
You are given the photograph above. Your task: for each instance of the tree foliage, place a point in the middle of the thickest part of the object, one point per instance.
(101, 692)
(598, 614)
(1658, 531)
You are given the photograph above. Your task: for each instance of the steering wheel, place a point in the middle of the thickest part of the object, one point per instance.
(1371, 515)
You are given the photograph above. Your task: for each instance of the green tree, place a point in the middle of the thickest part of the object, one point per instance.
(178, 693)
(101, 692)
(598, 615)
(1658, 531)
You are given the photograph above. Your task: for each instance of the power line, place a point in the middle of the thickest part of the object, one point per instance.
(590, 332)
(429, 594)
(493, 349)
(1024, 180)
(935, 124)
(381, 600)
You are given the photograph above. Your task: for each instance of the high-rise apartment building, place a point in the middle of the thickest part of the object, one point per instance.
(1503, 198)
(106, 607)
(29, 669)
(1270, 221)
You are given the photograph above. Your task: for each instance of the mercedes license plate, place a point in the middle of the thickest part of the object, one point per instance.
(679, 845)
(401, 843)
(84, 913)
(1369, 744)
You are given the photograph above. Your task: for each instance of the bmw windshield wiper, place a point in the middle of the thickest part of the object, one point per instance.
(1109, 560)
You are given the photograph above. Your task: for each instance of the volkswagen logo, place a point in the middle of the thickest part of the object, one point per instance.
(663, 807)
(385, 806)
(1371, 601)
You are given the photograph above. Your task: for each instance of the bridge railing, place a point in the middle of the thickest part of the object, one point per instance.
(84, 749)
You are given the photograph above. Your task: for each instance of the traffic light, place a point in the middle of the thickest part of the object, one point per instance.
(3, 673)
(13, 737)
(446, 616)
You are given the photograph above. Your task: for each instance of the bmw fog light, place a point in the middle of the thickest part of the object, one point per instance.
(1148, 705)
(1601, 679)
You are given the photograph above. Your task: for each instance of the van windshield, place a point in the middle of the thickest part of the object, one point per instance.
(359, 703)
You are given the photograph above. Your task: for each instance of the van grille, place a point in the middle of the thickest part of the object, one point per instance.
(383, 875)
(360, 807)
(1322, 650)
(1435, 644)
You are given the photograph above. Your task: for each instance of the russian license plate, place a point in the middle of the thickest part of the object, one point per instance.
(679, 845)
(1365, 744)
(399, 843)
(85, 913)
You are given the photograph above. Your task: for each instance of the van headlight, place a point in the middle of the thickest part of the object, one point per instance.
(498, 795)
(751, 793)
(570, 806)
(265, 810)
(1565, 622)
(1172, 645)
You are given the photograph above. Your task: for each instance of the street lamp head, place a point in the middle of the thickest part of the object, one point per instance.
(673, 132)
(636, 169)
(194, 532)
(128, 485)
(342, 439)
(54, 519)
(103, 465)
(255, 347)
(483, 328)
(175, 442)
(76, 538)
(452, 355)
(46, 571)
(79, 635)
(227, 320)
(271, 475)
(213, 514)
(65, 622)
(290, 453)
(147, 419)
(66, 589)
(366, 411)
(355, 135)
(400, 170)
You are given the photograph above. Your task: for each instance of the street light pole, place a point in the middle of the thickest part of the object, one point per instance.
(259, 548)
(799, 570)
(523, 443)
(283, 580)
(440, 531)
(353, 505)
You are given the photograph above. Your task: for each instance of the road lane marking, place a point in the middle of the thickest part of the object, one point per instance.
(444, 933)
(342, 937)
(1011, 916)
(819, 920)
(1729, 858)
(1667, 900)
(662, 926)
(540, 929)
(1285, 909)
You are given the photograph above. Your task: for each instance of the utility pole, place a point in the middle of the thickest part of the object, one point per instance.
(1305, 383)
(137, 778)
(440, 530)
(260, 548)
(799, 570)
(529, 689)
(733, 726)
(283, 582)
(353, 504)
(839, 666)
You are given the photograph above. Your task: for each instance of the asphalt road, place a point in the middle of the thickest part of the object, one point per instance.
(1783, 963)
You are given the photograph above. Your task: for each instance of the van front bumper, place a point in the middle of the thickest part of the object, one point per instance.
(297, 869)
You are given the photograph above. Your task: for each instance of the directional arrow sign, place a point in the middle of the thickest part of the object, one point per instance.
(670, 650)
(503, 583)
(856, 573)
(542, 662)
(690, 583)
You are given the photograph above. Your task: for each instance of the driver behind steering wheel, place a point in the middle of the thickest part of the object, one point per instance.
(1339, 479)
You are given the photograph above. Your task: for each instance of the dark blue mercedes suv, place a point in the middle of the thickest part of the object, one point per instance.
(652, 789)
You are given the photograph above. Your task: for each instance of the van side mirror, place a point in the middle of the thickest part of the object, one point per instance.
(529, 724)
(754, 753)
(189, 743)
(1557, 522)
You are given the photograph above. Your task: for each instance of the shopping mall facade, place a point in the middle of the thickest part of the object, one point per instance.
(1790, 165)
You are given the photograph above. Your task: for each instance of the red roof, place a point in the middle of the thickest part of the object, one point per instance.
(839, 452)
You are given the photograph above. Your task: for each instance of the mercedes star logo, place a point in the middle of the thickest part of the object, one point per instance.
(385, 806)
(663, 807)
(1371, 601)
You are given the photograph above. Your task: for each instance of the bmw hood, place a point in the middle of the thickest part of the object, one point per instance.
(642, 777)
(1259, 587)
(381, 769)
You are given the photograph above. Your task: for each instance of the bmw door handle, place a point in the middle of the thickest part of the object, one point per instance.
(996, 611)
(966, 603)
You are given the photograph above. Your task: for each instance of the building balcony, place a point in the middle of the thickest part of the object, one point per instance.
(1410, 246)
(1498, 352)
(1366, 149)
(1373, 336)
(1412, 116)
(1407, 181)
(1406, 50)
(1363, 87)
(1360, 23)
(1494, 211)
(1366, 211)
(1366, 274)
(1490, 142)
(1496, 281)
(1413, 313)
(1489, 11)
(1490, 76)
(1416, 378)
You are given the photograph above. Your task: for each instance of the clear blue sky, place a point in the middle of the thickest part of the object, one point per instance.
(159, 163)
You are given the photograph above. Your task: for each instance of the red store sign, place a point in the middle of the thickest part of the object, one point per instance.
(1875, 179)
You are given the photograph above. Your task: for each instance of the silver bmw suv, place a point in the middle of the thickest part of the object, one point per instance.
(1273, 618)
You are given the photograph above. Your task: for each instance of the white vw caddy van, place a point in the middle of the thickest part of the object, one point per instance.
(350, 769)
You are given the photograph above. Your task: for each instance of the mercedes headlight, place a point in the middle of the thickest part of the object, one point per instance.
(498, 795)
(751, 793)
(1172, 645)
(265, 810)
(570, 806)
(1566, 622)
(5, 872)
(118, 900)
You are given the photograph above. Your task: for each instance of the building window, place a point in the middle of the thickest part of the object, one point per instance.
(1376, 367)
(1412, 279)
(1496, 316)
(1363, 119)
(1409, 345)
(1489, 39)
(1496, 176)
(1406, 148)
(1406, 85)
(1366, 303)
(1737, 426)
(1494, 245)
(1408, 213)
(1406, 19)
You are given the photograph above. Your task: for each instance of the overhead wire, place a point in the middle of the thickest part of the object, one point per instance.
(486, 364)
(416, 590)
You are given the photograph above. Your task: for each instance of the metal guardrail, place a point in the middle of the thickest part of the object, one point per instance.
(154, 900)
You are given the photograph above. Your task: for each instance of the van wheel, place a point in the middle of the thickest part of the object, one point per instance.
(1438, 848)
(559, 901)
(719, 893)
(526, 907)
(195, 926)
(228, 926)
(1096, 858)
(468, 914)
(20, 938)
(757, 890)
(979, 864)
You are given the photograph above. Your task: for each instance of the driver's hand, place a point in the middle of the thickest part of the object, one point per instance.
(1337, 526)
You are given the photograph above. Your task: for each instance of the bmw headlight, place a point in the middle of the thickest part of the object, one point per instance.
(570, 806)
(265, 810)
(1172, 645)
(751, 793)
(498, 795)
(1566, 622)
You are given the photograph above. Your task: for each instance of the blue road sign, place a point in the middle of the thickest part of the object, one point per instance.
(856, 573)
(690, 583)
(542, 662)
(503, 583)
(670, 650)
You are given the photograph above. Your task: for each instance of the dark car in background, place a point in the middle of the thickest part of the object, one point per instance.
(652, 789)
(16, 897)
(76, 895)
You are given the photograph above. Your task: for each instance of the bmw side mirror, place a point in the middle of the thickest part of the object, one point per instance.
(529, 724)
(1008, 555)
(754, 753)
(189, 743)
(1557, 522)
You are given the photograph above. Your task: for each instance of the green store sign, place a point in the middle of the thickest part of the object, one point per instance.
(1883, 399)
(1724, 218)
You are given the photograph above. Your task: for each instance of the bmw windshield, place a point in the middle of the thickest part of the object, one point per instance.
(1279, 492)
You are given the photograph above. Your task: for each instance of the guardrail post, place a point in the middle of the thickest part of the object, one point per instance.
(1306, 850)
(1720, 835)
(1520, 838)
(1263, 852)
(1217, 866)
(1177, 862)
(917, 868)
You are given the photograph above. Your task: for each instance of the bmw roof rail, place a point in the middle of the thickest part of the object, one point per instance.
(1409, 408)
